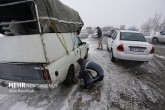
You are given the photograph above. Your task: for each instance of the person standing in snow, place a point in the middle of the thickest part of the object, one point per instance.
(99, 34)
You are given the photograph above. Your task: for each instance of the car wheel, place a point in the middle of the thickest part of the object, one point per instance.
(70, 76)
(155, 40)
(108, 49)
(112, 56)
(86, 55)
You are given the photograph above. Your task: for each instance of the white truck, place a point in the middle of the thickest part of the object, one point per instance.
(40, 41)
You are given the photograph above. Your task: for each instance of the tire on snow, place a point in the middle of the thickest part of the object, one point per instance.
(70, 76)
(112, 58)
(86, 55)
(108, 49)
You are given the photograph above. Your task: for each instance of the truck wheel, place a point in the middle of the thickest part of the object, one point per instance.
(70, 76)
(155, 40)
(111, 56)
(86, 55)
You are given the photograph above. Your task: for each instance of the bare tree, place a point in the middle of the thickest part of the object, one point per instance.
(122, 27)
(154, 24)
(133, 28)
(148, 25)
(157, 22)
(163, 25)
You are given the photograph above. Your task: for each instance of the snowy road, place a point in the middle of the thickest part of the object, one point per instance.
(126, 86)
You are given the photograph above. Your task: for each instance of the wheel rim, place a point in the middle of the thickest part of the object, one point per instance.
(155, 40)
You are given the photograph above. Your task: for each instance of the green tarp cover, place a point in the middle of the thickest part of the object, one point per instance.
(64, 18)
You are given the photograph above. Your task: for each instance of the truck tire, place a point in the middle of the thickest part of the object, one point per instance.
(70, 76)
(86, 55)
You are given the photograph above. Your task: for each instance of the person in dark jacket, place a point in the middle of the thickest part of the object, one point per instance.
(99, 34)
(86, 75)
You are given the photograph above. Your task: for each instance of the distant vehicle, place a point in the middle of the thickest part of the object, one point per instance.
(145, 33)
(104, 32)
(83, 35)
(158, 37)
(94, 35)
(129, 45)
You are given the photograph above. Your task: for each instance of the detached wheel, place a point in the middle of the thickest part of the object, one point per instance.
(155, 40)
(112, 56)
(70, 76)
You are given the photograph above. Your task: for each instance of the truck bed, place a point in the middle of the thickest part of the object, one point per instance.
(22, 72)
(27, 48)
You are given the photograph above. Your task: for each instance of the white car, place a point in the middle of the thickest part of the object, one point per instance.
(83, 35)
(158, 37)
(129, 45)
(94, 35)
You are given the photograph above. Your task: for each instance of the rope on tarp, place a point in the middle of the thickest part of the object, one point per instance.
(63, 44)
(62, 36)
(72, 37)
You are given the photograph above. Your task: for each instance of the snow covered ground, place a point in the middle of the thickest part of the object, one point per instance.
(126, 86)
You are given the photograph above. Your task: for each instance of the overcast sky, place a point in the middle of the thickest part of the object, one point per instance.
(116, 12)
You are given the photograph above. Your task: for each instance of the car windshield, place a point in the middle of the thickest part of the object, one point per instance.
(128, 36)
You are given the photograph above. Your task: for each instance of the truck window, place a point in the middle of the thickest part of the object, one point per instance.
(78, 40)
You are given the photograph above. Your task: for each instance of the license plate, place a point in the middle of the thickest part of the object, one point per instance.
(137, 49)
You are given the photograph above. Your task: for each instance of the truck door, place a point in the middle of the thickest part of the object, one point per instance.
(82, 47)
(77, 50)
